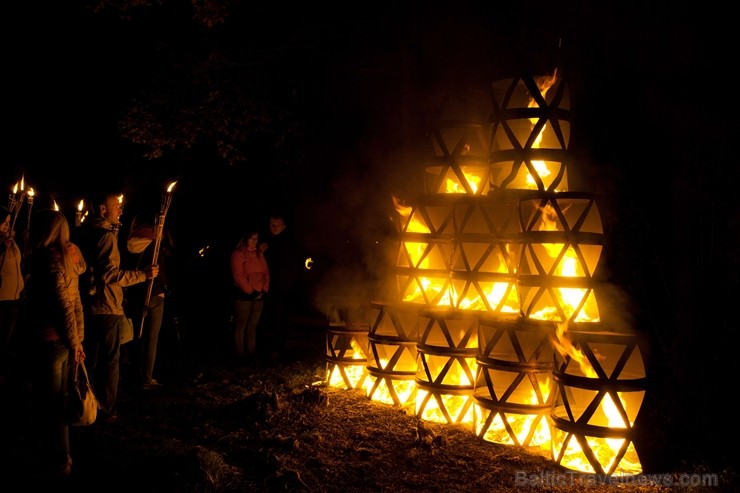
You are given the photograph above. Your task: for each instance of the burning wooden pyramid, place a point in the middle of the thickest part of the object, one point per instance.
(501, 259)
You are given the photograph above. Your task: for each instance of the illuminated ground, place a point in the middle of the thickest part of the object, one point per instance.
(223, 428)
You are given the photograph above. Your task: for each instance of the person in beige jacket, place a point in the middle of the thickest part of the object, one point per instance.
(11, 289)
(57, 325)
(103, 298)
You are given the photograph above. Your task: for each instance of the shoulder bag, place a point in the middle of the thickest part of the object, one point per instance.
(127, 330)
(82, 405)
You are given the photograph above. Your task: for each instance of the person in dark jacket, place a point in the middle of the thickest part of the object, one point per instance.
(279, 250)
(140, 252)
(98, 239)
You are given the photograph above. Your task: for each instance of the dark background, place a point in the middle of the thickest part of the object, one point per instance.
(652, 95)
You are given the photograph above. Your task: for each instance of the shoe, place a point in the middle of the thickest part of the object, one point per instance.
(151, 384)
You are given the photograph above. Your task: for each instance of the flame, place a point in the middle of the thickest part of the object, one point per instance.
(402, 208)
(415, 250)
(544, 84)
(81, 205)
(354, 375)
(431, 404)
(378, 390)
(120, 199)
(354, 372)
(171, 186)
(454, 404)
(606, 449)
(308, 263)
(473, 180)
(521, 424)
(30, 193)
(15, 188)
(54, 205)
(569, 265)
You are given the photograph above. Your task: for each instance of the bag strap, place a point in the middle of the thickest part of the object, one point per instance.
(80, 376)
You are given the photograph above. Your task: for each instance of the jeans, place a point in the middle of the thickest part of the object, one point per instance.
(103, 352)
(275, 323)
(50, 382)
(246, 316)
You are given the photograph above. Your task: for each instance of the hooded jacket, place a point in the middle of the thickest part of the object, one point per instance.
(140, 252)
(99, 243)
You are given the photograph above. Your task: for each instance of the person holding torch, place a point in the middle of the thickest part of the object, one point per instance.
(11, 289)
(139, 252)
(103, 297)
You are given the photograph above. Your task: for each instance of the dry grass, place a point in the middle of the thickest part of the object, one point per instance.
(243, 429)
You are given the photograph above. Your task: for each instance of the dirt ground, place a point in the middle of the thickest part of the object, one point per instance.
(221, 427)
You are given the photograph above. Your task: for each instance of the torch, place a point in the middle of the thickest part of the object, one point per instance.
(29, 200)
(158, 229)
(16, 202)
(12, 199)
(78, 214)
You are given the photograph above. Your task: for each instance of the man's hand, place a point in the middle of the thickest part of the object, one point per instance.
(152, 271)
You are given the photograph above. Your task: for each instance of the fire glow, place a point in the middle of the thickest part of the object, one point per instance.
(600, 379)
(495, 263)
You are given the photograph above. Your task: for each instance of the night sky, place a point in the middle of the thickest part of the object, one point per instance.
(647, 83)
(651, 88)
(648, 87)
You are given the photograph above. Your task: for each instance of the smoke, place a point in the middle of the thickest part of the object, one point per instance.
(616, 308)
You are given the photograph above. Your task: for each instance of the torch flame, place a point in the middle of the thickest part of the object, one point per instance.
(171, 186)
(81, 205)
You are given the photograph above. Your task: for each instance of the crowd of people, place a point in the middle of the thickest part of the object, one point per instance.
(68, 293)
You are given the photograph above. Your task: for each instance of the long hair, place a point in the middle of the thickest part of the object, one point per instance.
(248, 233)
(50, 230)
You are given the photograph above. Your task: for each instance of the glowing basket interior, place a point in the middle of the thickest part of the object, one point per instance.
(600, 378)
(392, 353)
(530, 133)
(346, 356)
(446, 366)
(513, 389)
(562, 240)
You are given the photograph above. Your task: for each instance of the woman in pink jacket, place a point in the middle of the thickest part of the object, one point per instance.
(251, 278)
